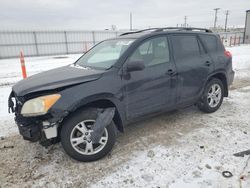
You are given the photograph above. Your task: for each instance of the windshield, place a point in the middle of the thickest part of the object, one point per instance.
(105, 54)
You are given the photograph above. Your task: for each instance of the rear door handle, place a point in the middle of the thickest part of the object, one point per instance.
(208, 63)
(171, 72)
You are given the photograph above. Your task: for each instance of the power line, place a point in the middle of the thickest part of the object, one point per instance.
(227, 13)
(215, 16)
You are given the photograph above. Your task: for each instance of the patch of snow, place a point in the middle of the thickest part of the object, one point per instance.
(10, 71)
(7, 123)
(241, 60)
(241, 56)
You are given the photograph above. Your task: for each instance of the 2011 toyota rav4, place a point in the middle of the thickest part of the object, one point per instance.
(119, 81)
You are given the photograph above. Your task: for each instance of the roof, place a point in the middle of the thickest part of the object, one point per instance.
(153, 31)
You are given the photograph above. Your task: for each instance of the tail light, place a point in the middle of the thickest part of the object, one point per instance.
(227, 54)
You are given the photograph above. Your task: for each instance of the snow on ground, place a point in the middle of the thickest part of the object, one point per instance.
(197, 158)
(240, 57)
(179, 149)
(241, 60)
(10, 71)
(6, 120)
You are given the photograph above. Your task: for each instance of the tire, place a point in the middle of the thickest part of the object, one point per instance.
(80, 152)
(211, 101)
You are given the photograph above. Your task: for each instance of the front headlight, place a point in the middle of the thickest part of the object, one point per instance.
(39, 106)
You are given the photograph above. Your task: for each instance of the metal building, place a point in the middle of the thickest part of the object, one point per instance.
(247, 28)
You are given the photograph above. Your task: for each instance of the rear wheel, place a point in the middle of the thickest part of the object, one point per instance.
(212, 96)
(76, 137)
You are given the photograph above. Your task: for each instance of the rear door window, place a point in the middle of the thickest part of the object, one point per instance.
(185, 46)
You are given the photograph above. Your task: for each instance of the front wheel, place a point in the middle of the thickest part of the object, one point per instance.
(212, 96)
(76, 137)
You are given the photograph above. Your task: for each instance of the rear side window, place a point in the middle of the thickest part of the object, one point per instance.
(212, 43)
(185, 46)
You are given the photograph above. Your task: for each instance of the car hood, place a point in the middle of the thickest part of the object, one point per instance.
(56, 78)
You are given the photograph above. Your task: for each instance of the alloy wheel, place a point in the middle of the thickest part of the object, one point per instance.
(214, 95)
(80, 138)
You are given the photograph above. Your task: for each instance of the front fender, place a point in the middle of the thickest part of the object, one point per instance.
(96, 97)
(72, 100)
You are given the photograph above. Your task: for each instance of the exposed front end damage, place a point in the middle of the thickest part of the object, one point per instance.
(40, 128)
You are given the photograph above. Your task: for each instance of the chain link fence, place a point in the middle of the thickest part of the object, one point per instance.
(41, 43)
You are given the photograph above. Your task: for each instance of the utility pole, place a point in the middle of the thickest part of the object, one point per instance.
(215, 17)
(131, 21)
(185, 21)
(227, 13)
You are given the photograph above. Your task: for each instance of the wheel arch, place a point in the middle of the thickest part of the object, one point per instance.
(221, 76)
(100, 101)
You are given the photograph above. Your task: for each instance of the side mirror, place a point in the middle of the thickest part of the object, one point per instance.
(135, 66)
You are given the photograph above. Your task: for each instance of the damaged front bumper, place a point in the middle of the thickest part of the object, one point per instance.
(41, 128)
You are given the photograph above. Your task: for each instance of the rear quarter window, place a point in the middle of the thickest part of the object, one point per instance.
(212, 43)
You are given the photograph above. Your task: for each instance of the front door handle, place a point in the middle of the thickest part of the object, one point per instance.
(171, 72)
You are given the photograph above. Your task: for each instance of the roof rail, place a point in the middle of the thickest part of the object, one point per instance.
(139, 31)
(184, 29)
(169, 28)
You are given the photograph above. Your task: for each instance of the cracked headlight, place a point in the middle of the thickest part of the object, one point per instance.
(39, 106)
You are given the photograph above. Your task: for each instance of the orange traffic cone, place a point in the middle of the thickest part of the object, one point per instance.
(23, 65)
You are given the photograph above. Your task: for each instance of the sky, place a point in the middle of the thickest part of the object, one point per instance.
(102, 14)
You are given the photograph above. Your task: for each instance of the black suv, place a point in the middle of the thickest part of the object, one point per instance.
(119, 81)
